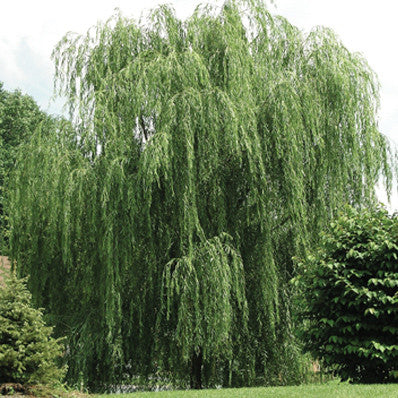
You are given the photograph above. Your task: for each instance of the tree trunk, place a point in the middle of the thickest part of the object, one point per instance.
(196, 370)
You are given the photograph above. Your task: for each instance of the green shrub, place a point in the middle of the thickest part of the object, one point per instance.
(351, 294)
(28, 353)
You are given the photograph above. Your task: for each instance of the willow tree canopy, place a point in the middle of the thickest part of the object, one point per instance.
(207, 153)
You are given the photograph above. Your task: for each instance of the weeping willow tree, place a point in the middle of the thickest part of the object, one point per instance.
(206, 153)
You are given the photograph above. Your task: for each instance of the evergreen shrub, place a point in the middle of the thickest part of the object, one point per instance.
(28, 353)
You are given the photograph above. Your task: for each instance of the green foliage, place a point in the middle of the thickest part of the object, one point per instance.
(207, 153)
(20, 116)
(28, 353)
(351, 289)
(3, 218)
(201, 287)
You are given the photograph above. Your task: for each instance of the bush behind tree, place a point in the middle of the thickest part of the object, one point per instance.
(350, 286)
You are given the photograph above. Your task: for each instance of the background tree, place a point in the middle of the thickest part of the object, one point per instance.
(350, 289)
(20, 116)
(207, 153)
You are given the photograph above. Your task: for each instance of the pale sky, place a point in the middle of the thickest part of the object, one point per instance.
(29, 30)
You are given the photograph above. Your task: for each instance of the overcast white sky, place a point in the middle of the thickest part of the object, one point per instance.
(29, 30)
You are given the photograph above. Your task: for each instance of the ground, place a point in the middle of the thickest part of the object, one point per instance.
(330, 390)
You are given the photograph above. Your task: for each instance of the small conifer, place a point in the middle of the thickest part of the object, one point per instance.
(28, 353)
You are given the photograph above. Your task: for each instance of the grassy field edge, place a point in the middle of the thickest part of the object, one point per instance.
(330, 390)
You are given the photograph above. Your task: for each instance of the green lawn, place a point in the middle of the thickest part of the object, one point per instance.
(331, 390)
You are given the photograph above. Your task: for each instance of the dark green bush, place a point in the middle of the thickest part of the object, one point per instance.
(350, 288)
(28, 353)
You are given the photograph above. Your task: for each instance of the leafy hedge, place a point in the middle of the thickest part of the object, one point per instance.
(350, 287)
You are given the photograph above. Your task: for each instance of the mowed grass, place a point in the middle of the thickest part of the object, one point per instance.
(330, 390)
